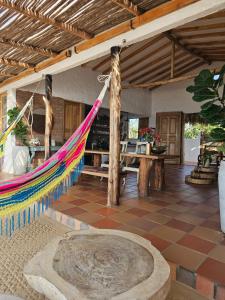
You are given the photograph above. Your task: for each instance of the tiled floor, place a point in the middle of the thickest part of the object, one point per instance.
(182, 221)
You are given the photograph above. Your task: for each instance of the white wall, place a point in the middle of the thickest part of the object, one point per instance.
(173, 97)
(80, 84)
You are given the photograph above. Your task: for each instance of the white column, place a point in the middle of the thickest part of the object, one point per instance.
(8, 166)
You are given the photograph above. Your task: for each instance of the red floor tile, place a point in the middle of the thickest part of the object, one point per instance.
(106, 211)
(180, 225)
(213, 270)
(107, 224)
(79, 202)
(74, 211)
(160, 244)
(137, 212)
(196, 243)
(160, 203)
(211, 224)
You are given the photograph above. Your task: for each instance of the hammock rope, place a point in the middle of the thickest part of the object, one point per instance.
(24, 198)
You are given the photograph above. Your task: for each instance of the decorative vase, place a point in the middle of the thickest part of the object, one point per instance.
(221, 180)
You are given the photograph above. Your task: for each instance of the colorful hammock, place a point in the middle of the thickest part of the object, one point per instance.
(24, 198)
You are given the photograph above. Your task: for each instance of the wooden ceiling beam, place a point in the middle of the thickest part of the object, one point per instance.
(45, 20)
(171, 80)
(142, 59)
(206, 44)
(164, 59)
(186, 47)
(172, 62)
(199, 28)
(166, 70)
(15, 63)
(202, 35)
(5, 74)
(29, 48)
(137, 51)
(129, 6)
(219, 14)
(148, 16)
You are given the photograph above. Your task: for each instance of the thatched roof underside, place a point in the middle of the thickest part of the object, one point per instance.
(32, 31)
(196, 44)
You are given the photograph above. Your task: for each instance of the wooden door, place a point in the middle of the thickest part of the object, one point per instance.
(170, 127)
(73, 116)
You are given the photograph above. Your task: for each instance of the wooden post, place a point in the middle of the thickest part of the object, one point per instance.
(114, 145)
(172, 59)
(48, 115)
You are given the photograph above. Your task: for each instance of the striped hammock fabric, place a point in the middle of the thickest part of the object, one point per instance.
(5, 134)
(24, 198)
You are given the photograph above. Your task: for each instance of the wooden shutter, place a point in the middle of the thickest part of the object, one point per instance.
(73, 116)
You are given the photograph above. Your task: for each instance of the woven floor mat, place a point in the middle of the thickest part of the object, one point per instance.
(15, 252)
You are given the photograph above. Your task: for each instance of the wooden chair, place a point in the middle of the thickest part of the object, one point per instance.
(133, 166)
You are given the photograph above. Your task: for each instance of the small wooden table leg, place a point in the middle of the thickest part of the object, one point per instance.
(144, 176)
(97, 160)
(158, 183)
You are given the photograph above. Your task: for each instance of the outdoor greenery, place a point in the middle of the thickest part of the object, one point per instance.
(21, 129)
(209, 88)
(192, 131)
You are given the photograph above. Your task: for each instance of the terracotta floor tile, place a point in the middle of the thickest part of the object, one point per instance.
(211, 224)
(189, 218)
(218, 253)
(142, 224)
(74, 211)
(168, 233)
(106, 211)
(107, 224)
(89, 217)
(179, 208)
(123, 217)
(183, 256)
(213, 270)
(59, 205)
(168, 212)
(207, 234)
(160, 203)
(160, 244)
(137, 212)
(195, 243)
(92, 206)
(157, 218)
(132, 229)
(180, 225)
(79, 202)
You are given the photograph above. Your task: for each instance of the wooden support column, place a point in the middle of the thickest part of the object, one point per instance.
(114, 146)
(172, 59)
(48, 115)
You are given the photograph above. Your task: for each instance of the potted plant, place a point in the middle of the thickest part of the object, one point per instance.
(21, 129)
(209, 89)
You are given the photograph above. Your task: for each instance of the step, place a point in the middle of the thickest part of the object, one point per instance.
(189, 179)
(203, 175)
(207, 169)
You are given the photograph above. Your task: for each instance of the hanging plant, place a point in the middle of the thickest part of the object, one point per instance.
(21, 129)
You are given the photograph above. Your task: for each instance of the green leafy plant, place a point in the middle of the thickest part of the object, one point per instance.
(21, 129)
(209, 88)
(192, 131)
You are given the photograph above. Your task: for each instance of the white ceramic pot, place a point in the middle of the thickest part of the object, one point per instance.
(222, 194)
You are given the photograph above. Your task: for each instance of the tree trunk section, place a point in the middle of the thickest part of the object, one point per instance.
(48, 115)
(114, 146)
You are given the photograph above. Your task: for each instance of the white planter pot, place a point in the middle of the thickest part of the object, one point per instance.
(222, 194)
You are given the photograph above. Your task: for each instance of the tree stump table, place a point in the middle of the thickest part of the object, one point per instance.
(99, 264)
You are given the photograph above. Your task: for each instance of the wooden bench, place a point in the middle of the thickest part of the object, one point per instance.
(102, 173)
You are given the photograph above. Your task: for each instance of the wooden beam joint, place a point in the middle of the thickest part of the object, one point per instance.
(129, 6)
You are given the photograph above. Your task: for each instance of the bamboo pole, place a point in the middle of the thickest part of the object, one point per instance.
(114, 147)
(48, 115)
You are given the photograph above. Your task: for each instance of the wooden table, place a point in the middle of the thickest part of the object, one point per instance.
(148, 164)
